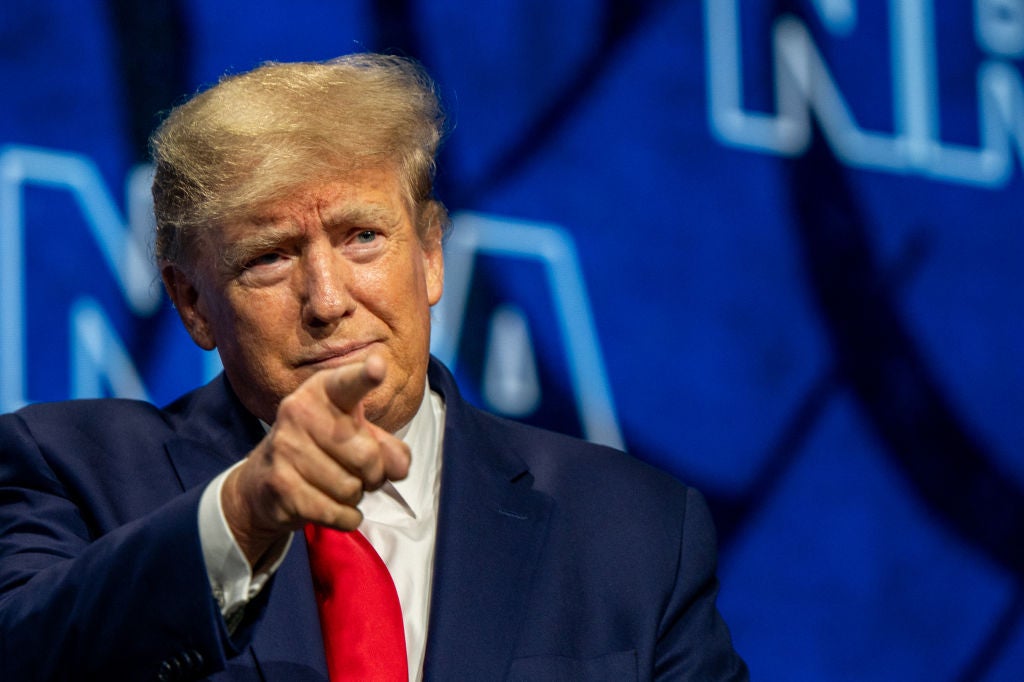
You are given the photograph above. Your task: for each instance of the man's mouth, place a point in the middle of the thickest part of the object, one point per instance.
(336, 355)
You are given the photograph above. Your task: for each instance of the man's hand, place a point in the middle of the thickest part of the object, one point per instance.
(315, 463)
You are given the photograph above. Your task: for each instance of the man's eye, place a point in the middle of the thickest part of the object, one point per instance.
(263, 259)
(366, 236)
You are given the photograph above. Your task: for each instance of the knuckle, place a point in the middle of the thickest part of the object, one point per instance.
(280, 483)
(348, 518)
(350, 490)
(285, 516)
(287, 407)
(362, 452)
(404, 451)
(294, 408)
(343, 430)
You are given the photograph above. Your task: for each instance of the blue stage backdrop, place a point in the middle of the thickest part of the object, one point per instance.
(773, 247)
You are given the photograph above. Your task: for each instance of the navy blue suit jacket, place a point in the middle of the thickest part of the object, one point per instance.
(556, 559)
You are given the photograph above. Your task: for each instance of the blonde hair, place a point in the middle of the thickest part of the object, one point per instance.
(256, 137)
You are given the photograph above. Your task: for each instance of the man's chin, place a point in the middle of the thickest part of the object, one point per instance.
(385, 407)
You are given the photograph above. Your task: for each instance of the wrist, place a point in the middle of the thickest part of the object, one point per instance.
(254, 542)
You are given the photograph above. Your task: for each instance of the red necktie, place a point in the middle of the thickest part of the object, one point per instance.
(360, 616)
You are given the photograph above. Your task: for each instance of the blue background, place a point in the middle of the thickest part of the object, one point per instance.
(821, 336)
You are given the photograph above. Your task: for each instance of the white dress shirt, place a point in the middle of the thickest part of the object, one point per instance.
(399, 520)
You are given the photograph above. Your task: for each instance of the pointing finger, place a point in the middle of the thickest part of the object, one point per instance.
(346, 386)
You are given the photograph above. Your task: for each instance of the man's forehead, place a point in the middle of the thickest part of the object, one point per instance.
(336, 203)
(327, 216)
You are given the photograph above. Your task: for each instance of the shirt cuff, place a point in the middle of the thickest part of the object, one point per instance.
(231, 578)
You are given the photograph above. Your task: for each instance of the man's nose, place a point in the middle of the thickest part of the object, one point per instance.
(326, 297)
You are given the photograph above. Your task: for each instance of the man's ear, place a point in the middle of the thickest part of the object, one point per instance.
(433, 258)
(435, 272)
(185, 296)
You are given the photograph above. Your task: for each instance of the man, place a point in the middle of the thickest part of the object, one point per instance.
(297, 234)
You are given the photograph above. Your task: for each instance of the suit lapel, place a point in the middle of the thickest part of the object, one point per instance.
(213, 431)
(288, 644)
(491, 528)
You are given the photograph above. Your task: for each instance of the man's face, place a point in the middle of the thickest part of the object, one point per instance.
(326, 277)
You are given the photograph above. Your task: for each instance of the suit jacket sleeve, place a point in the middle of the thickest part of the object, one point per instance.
(85, 594)
(693, 641)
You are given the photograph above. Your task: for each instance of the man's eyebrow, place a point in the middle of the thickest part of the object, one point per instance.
(269, 234)
(359, 214)
(236, 254)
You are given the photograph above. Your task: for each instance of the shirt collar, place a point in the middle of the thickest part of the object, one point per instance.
(415, 493)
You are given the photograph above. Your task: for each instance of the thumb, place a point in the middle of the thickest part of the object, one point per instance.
(395, 454)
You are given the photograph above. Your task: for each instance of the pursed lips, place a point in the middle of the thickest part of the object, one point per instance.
(336, 354)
